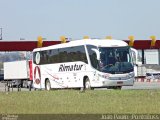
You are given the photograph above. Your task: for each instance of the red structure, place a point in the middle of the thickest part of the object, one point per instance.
(145, 44)
(23, 45)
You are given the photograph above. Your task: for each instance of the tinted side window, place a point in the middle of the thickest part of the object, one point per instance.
(68, 54)
(44, 57)
(63, 55)
(53, 56)
(79, 54)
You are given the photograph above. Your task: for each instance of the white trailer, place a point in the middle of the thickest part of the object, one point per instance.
(150, 54)
(18, 73)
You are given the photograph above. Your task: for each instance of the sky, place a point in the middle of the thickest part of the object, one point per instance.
(28, 19)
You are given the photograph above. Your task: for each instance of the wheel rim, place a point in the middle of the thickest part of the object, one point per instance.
(88, 86)
(48, 86)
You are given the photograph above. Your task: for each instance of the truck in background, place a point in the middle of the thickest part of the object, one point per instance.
(18, 73)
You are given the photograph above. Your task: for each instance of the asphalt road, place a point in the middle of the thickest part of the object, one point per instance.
(137, 86)
(2, 88)
(143, 85)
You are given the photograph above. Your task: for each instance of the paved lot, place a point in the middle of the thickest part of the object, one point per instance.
(144, 85)
(2, 88)
(137, 86)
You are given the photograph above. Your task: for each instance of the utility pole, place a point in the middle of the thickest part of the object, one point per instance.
(0, 33)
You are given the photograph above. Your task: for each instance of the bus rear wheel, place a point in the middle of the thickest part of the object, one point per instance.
(48, 85)
(87, 85)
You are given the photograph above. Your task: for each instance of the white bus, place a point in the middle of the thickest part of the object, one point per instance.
(85, 64)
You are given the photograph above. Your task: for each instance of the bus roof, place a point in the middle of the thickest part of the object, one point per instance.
(95, 42)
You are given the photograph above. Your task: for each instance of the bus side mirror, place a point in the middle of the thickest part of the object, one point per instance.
(134, 62)
(97, 53)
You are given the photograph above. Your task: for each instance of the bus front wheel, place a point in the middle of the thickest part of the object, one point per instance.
(48, 85)
(115, 87)
(119, 87)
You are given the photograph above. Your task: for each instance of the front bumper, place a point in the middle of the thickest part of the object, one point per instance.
(128, 82)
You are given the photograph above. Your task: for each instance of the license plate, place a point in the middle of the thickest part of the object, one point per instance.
(120, 82)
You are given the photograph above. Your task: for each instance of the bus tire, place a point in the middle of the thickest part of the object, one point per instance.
(87, 85)
(48, 85)
(117, 87)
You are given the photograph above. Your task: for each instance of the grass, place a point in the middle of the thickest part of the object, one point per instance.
(74, 102)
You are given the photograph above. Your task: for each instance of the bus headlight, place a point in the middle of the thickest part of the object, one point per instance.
(130, 75)
(105, 76)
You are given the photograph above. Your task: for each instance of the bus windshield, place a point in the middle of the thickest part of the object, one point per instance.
(115, 60)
